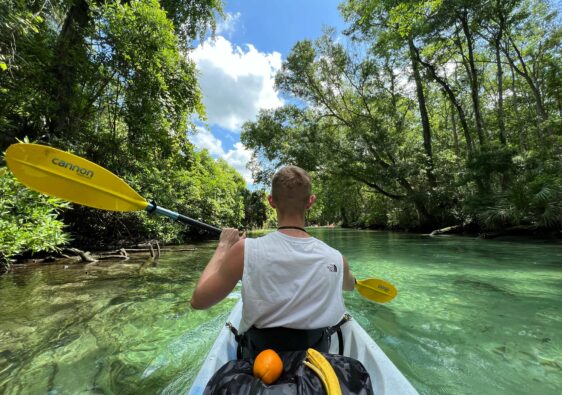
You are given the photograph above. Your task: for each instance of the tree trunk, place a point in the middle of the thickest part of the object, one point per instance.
(505, 176)
(451, 95)
(474, 86)
(455, 133)
(427, 221)
(522, 139)
(345, 219)
(501, 115)
(524, 72)
(423, 113)
(70, 52)
(497, 48)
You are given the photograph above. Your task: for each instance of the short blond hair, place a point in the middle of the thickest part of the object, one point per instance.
(291, 187)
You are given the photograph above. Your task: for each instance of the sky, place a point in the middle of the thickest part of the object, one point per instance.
(237, 68)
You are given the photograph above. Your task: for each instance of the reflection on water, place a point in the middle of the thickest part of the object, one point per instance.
(471, 316)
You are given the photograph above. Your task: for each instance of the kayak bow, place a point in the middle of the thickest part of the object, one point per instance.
(386, 378)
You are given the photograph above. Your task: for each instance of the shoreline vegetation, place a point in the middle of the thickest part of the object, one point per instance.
(152, 250)
(419, 116)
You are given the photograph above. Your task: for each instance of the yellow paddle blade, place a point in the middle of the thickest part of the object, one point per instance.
(379, 291)
(69, 177)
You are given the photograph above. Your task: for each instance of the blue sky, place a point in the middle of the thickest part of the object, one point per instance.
(237, 68)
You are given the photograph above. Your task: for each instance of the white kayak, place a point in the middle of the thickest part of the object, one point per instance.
(386, 378)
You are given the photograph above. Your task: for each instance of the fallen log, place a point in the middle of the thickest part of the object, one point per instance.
(136, 250)
(84, 256)
(104, 257)
(121, 252)
(448, 229)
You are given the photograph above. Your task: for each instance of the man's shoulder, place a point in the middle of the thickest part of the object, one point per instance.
(253, 241)
(267, 236)
(327, 246)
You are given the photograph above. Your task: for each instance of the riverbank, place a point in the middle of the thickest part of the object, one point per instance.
(73, 255)
(520, 232)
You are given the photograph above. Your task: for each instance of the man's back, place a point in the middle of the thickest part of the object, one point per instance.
(291, 282)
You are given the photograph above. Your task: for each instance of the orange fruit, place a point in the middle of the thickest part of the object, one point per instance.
(268, 366)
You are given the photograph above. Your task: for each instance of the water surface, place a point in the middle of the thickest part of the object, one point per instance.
(471, 316)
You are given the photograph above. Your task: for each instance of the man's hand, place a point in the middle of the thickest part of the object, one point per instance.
(229, 237)
(348, 279)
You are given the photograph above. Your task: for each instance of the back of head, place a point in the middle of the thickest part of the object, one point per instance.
(290, 189)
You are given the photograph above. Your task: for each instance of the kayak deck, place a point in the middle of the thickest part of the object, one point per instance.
(386, 378)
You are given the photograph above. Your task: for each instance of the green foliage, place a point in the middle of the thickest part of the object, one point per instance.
(357, 129)
(24, 54)
(192, 19)
(111, 81)
(214, 192)
(150, 82)
(28, 220)
(533, 198)
(110, 70)
(257, 211)
(201, 188)
(338, 202)
(17, 23)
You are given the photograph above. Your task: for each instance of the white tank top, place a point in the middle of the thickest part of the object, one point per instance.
(291, 282)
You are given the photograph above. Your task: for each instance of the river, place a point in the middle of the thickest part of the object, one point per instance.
(471, 317)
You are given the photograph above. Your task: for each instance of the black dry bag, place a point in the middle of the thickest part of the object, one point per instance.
(235, 377)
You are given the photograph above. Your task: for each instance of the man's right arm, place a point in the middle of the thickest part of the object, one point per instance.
(348, 279)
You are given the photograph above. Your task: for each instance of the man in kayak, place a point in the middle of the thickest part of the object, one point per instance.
(291, 282)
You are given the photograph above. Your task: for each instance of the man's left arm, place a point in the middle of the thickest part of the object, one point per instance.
(222, 272)
(348, 278)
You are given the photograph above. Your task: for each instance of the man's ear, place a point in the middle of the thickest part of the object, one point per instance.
(271, 202)
(311, 201)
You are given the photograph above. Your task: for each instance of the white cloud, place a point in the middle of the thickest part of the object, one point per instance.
(228, 25)
(236, 82)
(203, 138)
(238, 158)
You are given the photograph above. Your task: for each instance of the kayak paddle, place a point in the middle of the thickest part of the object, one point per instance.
(58, 173)
(379, 291)
(70, 177)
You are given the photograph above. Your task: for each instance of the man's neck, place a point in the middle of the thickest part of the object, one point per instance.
(292, 221)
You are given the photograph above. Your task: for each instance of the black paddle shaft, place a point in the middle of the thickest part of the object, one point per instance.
(201, 225)
(153, 208)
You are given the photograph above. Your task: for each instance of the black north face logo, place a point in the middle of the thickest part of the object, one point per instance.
(333, 268)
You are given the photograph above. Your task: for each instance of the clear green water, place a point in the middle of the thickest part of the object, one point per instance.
(471, 317)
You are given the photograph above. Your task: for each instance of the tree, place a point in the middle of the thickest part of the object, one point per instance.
(383, 113)
(256, 209)
(356, 126)
(111, 81)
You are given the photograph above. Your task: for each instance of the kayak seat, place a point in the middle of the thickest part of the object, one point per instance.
(235, 377)
(281, 339)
